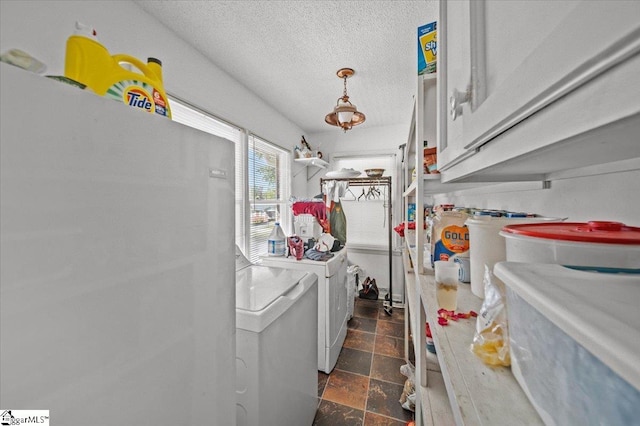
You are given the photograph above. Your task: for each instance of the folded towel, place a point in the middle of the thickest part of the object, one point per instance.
(320, 256)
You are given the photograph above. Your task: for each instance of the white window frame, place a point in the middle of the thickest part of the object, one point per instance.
(283, 188)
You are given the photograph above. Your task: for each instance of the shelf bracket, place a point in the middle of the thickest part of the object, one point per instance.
(313, 174)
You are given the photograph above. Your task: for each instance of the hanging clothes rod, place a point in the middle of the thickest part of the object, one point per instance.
(384, 181)
(363, 181)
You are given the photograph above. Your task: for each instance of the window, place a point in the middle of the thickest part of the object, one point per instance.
(367, 220)
(269, 169)
(263, 181)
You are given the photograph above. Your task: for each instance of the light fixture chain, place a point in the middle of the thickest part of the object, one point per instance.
(344, 93)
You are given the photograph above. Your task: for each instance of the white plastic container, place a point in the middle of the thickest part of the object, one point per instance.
(306, 226)
(601, 246)
(574, 340)
(486, 246)
(277, 242)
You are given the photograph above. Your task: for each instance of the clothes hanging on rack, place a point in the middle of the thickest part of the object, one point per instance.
(384, 182)
(332, 191)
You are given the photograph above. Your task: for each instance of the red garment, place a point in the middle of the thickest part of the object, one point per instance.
(411, 225)
(315, 208)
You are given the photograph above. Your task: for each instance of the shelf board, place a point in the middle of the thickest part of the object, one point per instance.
(411, 190)
(434, 402)
(479, 394)
(433, 185)
(312, 161)
(435, 405)
(410, 284)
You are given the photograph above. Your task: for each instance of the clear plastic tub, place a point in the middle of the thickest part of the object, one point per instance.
(574, 342)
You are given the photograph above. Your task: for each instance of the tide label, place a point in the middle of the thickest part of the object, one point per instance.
(140, 95)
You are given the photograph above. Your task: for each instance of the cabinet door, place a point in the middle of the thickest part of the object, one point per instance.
(508, 60)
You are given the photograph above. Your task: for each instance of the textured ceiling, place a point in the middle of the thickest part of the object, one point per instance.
(288, 52)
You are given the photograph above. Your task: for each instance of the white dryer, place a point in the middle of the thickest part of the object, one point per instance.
(276, 345)
(333, 312)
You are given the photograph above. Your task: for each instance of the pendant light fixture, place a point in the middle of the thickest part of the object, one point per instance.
(345, 114)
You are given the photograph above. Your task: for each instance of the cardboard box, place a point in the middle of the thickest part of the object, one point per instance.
(427, 48)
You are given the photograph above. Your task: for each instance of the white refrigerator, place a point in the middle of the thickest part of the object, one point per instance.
(117, 282)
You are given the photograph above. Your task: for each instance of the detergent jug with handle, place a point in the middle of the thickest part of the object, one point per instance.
(88, 62)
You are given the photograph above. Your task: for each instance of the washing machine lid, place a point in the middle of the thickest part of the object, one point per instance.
(259, 286)
(241, 260)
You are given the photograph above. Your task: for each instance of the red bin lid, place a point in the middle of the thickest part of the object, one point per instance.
(589, 232)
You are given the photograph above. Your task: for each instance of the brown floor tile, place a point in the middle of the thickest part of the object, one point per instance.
(359, 340)
(354, 361)
(322, 382)
(332, 414)
(373, 352)
(362, 324)
(372, 419)
(387, 369)
(384, 399)
(363, 310)
(389, 346)
(397, 315)
(368, 302)
(347, 389)
(389, 328)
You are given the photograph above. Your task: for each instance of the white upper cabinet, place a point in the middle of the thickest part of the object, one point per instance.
(519, 76)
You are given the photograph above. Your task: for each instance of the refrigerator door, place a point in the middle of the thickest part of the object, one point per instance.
(117, 263)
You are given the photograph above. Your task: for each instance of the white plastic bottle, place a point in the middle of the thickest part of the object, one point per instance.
(277, 243)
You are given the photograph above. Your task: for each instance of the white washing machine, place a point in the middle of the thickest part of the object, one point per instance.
(276, 345)
(332, 301)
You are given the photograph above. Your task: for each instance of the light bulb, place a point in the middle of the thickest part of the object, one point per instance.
(345, 116)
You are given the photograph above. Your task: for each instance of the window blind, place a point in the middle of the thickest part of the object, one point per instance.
(269, 178)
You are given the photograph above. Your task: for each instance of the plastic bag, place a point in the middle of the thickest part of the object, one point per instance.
(491, 339)
(408, 397)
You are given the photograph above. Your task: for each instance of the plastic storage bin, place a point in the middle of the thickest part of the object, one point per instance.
(602, 246)
(486, 246)
(575, 340)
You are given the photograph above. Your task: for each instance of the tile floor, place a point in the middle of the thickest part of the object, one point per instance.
(366, 384)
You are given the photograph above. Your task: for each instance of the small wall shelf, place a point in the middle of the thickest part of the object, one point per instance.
(311, 161)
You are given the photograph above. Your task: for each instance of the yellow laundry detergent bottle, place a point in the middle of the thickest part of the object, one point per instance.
(89, 62)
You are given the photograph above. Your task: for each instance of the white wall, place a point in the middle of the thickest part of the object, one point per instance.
(359, 140)
(41, 28)
(612, 196)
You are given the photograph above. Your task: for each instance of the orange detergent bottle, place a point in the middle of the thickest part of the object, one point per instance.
(89, 62)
